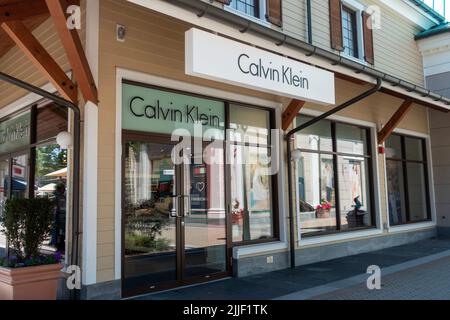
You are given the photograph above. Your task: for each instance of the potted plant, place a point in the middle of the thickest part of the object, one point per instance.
(323, 209)
(27, 274)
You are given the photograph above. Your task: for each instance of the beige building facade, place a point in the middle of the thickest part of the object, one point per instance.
(148, 224)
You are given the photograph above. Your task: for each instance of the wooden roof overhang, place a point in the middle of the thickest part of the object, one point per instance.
(18, 18)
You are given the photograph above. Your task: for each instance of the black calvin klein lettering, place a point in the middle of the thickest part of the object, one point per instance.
(285, 75)
(191, 114)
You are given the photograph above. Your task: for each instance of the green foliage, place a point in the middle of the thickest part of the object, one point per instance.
(27, 223)
(145, 244)
(50, 158)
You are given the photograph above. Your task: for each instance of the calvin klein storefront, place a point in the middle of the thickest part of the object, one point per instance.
(184, 191)
(202, 169)
(185, 156)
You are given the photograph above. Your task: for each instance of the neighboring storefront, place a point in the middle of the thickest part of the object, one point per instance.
(32, 164)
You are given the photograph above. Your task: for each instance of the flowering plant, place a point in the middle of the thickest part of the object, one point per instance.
(325, 205)
(19, 262)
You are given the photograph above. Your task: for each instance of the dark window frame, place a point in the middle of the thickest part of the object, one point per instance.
(370, 164)
(256, 8)
(275, 195)
(33, 143)
(404, 162)
(353, 24)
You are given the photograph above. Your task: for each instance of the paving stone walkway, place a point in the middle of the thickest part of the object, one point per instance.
(342, 278)
(430, 281)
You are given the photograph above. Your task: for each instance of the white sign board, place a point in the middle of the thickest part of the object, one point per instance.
(217, 58)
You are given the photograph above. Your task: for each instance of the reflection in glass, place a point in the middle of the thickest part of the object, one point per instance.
(150, 240)
(19, 173)
(251, 190)
(396, 192)
(413, 148)
(205, 218)
(51, 181)
(354, 198)
(249, 125)
(351, 139)
(394, 147)
(316, 137)
(4, 191)
(407, 180)
(417, 192)
(51, 120)
(316, 200)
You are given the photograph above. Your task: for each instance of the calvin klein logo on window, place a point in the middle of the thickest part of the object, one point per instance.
(185, 114)
(15, 132)
(285, 74)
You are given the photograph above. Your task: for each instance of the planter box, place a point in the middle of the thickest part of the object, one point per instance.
(322, 213)
(30, 283)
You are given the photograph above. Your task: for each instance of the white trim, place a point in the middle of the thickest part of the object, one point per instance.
(302, 241)
(351, 235)
(262, 13)
(412, 226)
(211, 92)
(90, 161)
(358, 8)
(90, 164)
(255, 249)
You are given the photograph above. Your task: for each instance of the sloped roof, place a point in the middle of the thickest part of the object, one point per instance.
(442, 28)
(424, 7)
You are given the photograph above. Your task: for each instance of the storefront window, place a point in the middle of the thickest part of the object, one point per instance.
(250, 181)
(27, 170)
(333, 178)
(51, 120)
(51, 181)
(19, 173)
(407, 180)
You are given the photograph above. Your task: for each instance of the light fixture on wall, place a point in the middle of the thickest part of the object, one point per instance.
(296, 155)
(121, 31)
(65, 140)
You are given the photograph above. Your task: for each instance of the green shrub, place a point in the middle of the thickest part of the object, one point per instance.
(27, 223)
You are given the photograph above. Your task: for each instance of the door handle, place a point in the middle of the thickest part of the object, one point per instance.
(174, 211)
(187, 208)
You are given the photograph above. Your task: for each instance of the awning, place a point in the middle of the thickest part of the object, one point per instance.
(58, 173)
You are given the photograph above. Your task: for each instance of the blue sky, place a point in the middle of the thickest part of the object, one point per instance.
(439, 6)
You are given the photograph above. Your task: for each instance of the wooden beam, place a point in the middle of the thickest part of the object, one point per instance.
(74, 50)
(22, 10)
(291, 112)
(25, 40)
(394, 121)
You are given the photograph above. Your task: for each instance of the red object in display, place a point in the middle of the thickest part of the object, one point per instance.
(381, 150)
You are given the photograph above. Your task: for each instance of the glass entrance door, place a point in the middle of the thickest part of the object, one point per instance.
(173, 218)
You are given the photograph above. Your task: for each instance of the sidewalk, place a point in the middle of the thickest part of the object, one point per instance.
(427, 263)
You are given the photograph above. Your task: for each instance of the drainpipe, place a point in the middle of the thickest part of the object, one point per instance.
(289, 156)
(74, 259)
(309, 17)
